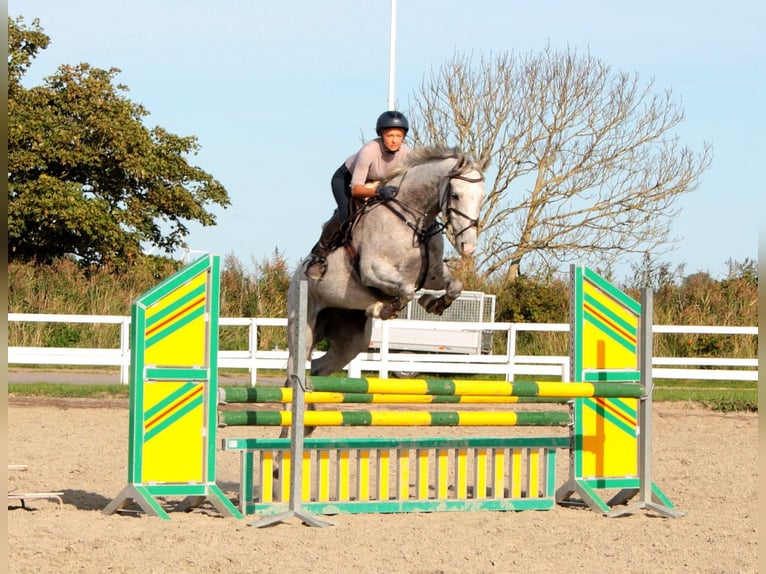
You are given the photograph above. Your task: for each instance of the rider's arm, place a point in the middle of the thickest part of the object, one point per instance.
(361, 187)
(372, 188)
(365, 190)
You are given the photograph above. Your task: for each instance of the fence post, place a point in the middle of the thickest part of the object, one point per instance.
(511, 353)
(385, 336)
(125, 351)
(253, 349)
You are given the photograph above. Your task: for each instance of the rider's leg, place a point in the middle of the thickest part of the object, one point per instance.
(318, 263)
(339, 183)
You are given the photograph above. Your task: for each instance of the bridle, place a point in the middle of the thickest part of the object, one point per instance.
(425, 233)
(447, 209)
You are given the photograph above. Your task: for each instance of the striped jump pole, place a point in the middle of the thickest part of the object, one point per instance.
(476, 388)
(174, 399)
(285, 395)
(396, 418)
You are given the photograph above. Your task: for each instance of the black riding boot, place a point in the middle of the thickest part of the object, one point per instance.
(317, 265)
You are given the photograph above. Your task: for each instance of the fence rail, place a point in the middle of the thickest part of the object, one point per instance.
(385, 362)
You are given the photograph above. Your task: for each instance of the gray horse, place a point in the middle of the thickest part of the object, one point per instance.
(396, 247)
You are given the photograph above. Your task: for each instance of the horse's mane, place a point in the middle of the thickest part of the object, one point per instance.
(425, 154)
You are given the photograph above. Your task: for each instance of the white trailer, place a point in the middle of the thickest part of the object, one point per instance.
(470, 307)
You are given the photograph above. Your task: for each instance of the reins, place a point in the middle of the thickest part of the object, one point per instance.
(423, 234)
(401, 210)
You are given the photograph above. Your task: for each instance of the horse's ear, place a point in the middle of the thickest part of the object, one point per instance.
(484, 163)
(457, 153)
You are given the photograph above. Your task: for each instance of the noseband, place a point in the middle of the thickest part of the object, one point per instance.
(447, 209)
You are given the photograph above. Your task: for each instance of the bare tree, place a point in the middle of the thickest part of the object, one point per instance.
(585, 162)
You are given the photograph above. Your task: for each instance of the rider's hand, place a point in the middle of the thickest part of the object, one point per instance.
(386, 192)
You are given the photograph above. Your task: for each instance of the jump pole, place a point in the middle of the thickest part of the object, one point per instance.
(610, 438)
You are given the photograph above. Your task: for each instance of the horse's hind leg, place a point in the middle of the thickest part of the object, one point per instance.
(348, 332)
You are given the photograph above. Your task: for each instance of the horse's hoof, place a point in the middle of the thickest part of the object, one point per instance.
(437, 306)
(388, 312)
(432, 304)
(390, 309)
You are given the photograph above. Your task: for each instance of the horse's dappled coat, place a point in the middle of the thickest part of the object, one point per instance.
(398, 248)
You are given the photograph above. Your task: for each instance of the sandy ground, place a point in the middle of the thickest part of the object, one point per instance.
(705, 462)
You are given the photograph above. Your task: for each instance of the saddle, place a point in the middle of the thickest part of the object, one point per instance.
(342, 237)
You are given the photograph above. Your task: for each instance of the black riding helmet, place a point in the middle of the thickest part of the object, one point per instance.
(391, 119)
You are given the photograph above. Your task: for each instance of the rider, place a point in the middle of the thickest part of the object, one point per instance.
(359, 177)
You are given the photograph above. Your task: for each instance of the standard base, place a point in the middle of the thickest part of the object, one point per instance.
(144, 496)
(305, 517)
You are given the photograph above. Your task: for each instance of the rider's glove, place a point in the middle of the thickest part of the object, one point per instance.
(386, 192)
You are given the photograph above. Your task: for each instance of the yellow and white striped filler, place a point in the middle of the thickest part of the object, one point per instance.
(362, 475)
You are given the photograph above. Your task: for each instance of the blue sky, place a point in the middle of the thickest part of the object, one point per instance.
(280, 92)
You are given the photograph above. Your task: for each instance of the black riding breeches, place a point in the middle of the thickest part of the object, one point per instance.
(341, 190)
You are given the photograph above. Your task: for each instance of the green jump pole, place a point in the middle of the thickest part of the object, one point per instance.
(395, 418)
(285, 395)
(477, 388)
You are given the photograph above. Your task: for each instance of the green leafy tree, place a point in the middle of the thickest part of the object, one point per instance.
(86, 177)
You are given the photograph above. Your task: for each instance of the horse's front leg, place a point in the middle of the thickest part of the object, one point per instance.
(387, 278)
(437, 305)
(439, 277)
(385, 310)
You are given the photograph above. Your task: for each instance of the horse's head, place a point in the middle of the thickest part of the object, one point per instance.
(441, 179)
(461, 205)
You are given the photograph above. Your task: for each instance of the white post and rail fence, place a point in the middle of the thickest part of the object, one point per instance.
(383, 361)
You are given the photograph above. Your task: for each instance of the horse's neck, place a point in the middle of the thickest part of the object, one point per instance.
(422, 193)
(424, 204)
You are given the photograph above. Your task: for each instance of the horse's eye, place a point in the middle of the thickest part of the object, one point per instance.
(454, 196)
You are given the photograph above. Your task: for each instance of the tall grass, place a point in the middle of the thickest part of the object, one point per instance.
(698, 299)
(258, 293)
(67, 288)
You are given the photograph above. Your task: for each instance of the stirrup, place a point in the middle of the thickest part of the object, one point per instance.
(316, 267)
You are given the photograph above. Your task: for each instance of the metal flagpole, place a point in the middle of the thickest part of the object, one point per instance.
(392, 60)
